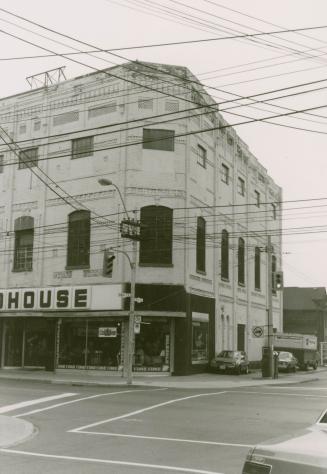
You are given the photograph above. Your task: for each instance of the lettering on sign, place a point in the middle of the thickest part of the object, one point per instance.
(60, 298)
(107, 332)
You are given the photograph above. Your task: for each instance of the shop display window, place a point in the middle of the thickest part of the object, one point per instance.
(152, 346)
(90, 344)
(200, 333)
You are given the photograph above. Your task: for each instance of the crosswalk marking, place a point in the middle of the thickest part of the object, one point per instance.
(35, 401)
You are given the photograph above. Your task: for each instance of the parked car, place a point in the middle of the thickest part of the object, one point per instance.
(302, 453)
(287, 361)
(233, 361)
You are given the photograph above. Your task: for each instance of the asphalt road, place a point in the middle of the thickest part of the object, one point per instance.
(140, 430)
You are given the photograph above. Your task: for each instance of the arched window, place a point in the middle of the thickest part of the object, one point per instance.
(241, 261)
(79, 230)
(201, 245)
(224, 255)
(257, 268)
(273, 270)
(156, 235)
(24, 237)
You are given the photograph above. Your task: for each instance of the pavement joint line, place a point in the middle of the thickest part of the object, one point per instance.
(159, 438)
(36, 401)
(109, 461)
(57, 405)
(142, 410)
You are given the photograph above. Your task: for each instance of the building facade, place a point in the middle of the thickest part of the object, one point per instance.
(305, 311)
(205, 203)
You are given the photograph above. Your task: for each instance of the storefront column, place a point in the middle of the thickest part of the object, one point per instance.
(23, 344)
(57, 344)
(3, 339)
(172, 346)
(86, 344)
(124, 352)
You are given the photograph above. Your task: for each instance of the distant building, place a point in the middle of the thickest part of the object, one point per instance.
(205, 203)
(305, 311)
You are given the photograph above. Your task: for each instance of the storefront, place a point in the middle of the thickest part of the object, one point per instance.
(82, 328)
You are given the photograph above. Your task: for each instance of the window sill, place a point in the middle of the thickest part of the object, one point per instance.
(242, 285)
(201, 272)
(163, 265)
(23, 270)
(258, 290)
(77, 267)
(226, 280)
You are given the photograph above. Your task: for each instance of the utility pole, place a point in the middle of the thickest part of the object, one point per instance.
(130, 228)
(131, 324)
(270, 308)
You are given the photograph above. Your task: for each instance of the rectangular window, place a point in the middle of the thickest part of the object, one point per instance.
(158, 139)
(257, 198)
(1, 163)
(82, 147)
(23, 257)
(146, 104)
(202, 156)
(201, 245)
(241, 186)
(28, 158)
(102, 110)
(200, 338)
(66, 117)
(225, 174)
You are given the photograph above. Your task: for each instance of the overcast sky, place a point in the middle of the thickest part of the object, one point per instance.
(295, 159)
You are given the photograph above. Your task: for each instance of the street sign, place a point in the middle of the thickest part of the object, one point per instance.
(137, 319)
(137, 328)
(257, 331)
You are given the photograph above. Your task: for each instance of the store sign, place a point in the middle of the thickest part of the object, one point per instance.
(107, 332)
(98, 297)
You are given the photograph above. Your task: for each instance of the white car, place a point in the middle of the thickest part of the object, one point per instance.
(301, 453)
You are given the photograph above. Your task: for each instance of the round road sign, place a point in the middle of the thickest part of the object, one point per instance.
(257, 331)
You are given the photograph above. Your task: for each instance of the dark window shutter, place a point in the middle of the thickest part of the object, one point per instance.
(224, 255)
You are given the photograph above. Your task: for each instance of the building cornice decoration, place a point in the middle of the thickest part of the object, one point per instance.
(24, 206)
(82, 198)
(176, 193)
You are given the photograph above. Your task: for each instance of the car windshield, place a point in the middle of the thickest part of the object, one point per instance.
(284, 355)
(228, 354)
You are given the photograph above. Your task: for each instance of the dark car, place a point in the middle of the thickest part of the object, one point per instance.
(301, 453)
(287, 361)
(230, 361)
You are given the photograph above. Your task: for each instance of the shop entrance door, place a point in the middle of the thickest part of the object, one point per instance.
(13, 343)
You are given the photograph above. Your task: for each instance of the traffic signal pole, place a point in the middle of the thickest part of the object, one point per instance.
(270, 308)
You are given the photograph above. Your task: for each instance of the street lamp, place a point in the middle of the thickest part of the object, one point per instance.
(132, 262)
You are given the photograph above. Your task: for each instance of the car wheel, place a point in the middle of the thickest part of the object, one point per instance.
(246, 369)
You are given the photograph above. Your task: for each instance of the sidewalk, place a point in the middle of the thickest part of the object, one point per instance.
(195, 381)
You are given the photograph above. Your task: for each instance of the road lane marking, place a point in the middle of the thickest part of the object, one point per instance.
(36, 401)
(110, 461)
(142, 410)
(158, 438)
(32, 412)
(302, 395)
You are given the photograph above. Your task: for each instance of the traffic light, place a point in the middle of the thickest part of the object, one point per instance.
(279, 284)
(108, 263)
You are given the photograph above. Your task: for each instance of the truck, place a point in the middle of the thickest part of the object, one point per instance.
(303, 347)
